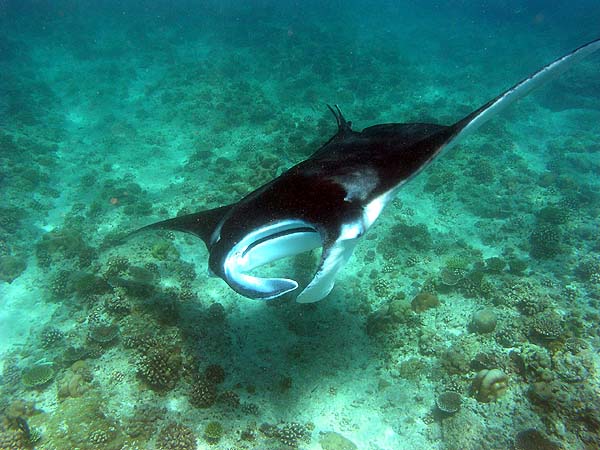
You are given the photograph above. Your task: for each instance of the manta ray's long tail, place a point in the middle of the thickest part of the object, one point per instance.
(521, 89)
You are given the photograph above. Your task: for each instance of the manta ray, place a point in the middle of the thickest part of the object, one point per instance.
(332, 198)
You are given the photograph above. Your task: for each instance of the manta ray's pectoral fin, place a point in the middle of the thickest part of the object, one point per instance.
(333, 258)
(257, 287)
(203, 224)
(335, 255)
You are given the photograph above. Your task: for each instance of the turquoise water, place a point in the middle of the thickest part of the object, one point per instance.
(481, 279)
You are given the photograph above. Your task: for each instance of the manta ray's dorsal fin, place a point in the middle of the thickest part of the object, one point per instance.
(342, 123)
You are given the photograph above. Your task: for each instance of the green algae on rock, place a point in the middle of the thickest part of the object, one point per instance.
(103, 333)
(37, 375)
(11, 267)
(330, 440)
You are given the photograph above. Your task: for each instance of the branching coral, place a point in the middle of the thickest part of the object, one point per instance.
(143, 423)
(51, 336)
(117, 303)
(160, 369)
(545, 241)
(115, 266)
(203, 394)
(547, 327)
(213, 432)
(214, 373)
(290, 434)
(176, 436)
(14, 440)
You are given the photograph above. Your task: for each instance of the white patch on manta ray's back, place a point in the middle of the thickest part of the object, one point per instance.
(358, 184)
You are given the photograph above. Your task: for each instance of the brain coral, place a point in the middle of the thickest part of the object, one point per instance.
(484, 321)
(489, 385)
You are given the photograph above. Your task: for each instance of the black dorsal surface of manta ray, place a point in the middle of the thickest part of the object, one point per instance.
(333, 197)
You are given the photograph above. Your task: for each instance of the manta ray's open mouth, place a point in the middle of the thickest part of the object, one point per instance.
(296, 233)
(262, 246)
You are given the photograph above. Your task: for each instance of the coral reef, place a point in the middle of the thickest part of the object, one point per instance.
(213, 432)
(14, 440)
(214, 374)
(449, 402)
(484, 321)
(144, 422)
(50, 336)
(159, 368)
(466, 319)
(424, 301)
(546, 241)
(290, 434)
(38, 375)
(203, 394)
(489, 385)
(547, 327)
(176, 436)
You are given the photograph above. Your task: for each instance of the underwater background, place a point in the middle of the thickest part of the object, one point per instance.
(468, 317)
